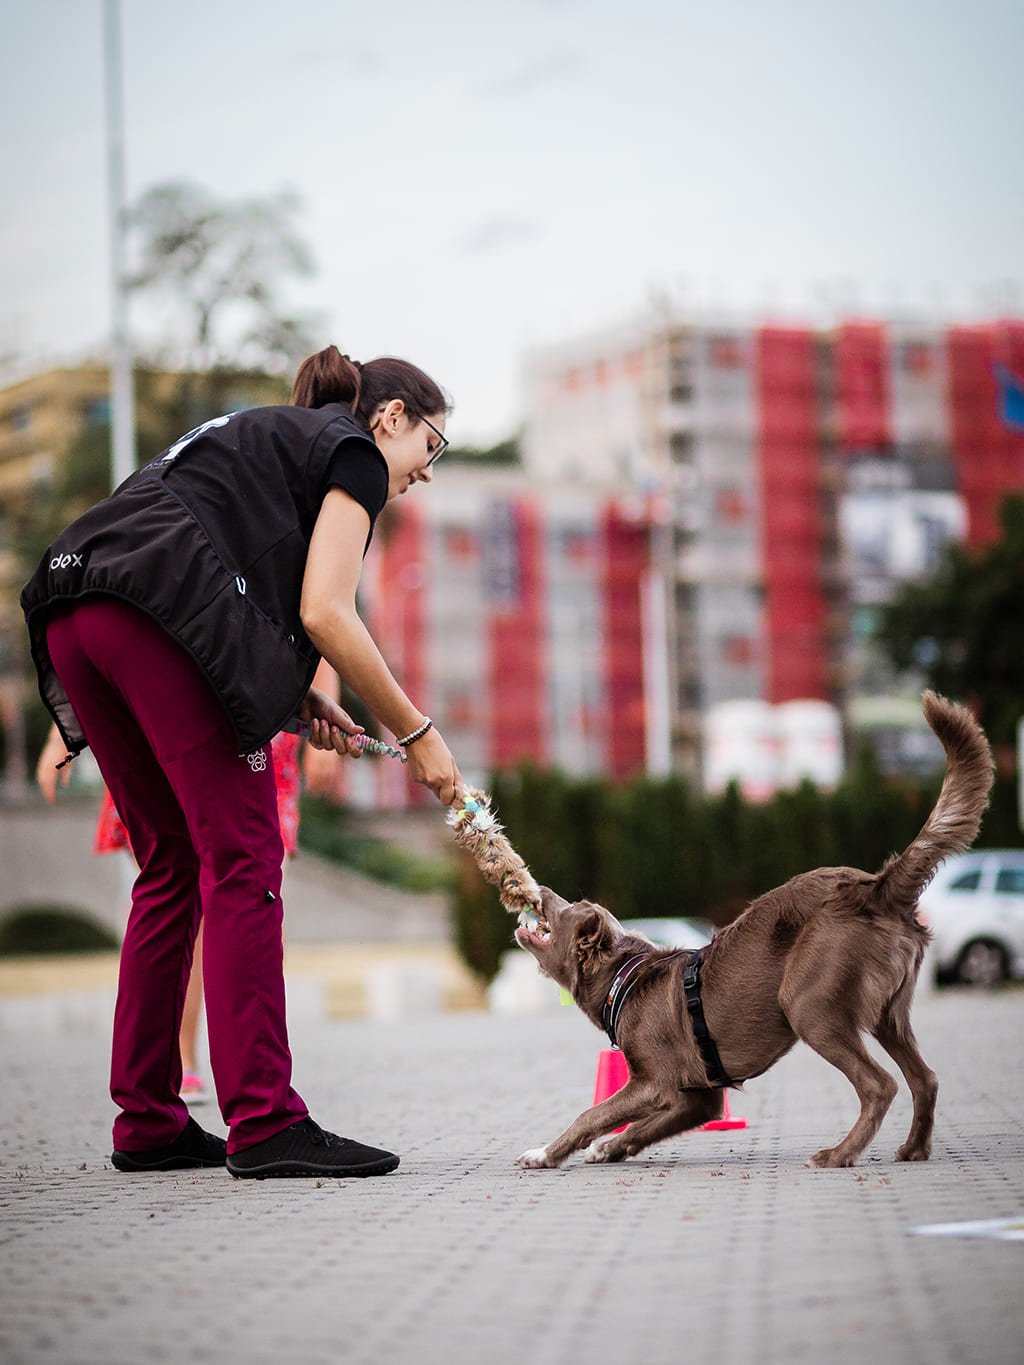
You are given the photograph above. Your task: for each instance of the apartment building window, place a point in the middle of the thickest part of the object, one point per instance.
(680, 447)
(918, 358)
(574, 544)
(20, 417)
(739, 650)
(461, 543)
(460, 710)
(97, 412)
(731, 505)
(727, 353)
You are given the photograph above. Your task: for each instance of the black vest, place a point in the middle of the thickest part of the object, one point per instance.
(210, 539)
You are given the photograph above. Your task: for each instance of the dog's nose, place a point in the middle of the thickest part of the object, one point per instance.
(551, 900)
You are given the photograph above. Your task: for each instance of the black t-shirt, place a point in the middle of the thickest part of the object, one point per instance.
(363, 474)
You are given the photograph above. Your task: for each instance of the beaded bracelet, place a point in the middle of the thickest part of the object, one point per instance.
(428, 724)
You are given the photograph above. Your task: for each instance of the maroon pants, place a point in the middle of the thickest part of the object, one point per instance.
(204, 829)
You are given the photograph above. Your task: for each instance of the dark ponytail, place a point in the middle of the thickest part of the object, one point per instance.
(330, 377)
(326, 377)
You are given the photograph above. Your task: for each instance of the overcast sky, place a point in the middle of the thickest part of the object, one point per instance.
(479, 179)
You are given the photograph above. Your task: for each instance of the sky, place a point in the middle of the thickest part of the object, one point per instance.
(482, 180)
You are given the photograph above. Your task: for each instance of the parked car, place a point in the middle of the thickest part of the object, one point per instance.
(975, 907)
(671, 933)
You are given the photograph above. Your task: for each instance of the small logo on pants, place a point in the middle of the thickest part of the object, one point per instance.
(257, 761)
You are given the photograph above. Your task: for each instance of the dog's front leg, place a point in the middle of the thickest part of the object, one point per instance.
(695, 1107)
(633, 1101)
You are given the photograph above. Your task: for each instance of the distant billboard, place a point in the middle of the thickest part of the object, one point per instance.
(896, 518)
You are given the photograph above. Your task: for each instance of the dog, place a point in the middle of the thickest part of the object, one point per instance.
(828, 956)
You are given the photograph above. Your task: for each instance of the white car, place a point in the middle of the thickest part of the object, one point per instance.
(975, 907)
(671, 933)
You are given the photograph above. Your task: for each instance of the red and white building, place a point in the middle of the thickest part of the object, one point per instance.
(514, 613)
(706, 514)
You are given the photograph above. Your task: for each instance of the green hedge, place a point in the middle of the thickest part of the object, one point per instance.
(323, 830)
(35, 930)
(656, 848)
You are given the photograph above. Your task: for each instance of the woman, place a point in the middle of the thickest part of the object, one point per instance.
(176, 627)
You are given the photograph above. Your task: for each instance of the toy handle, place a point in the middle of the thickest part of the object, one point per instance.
(367, 743)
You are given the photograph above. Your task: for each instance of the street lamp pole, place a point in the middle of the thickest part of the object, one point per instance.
(122, 395)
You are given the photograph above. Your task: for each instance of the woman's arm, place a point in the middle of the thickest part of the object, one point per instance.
(331, 621)
(46, 768)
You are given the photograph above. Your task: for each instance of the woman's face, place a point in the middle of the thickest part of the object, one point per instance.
(407, 446)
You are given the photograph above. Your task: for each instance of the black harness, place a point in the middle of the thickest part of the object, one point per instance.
(628, 976)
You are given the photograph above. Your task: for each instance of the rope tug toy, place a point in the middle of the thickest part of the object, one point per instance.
(479, 832)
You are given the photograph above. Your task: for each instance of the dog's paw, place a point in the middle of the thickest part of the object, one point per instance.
(536, 1159)
(915, 1153)
(829, 1159)
(598, 1149)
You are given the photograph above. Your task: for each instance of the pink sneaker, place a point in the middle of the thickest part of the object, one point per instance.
(193, 1089)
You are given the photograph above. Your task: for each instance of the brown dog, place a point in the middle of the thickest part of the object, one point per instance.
(828, 956)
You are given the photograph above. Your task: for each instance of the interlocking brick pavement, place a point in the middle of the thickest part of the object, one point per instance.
(710, 1248)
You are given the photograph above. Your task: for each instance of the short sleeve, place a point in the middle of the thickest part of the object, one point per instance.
(359, 468)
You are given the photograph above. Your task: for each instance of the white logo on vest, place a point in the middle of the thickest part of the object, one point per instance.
(257, 761)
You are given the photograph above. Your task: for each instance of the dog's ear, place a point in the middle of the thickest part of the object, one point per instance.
(595, 935)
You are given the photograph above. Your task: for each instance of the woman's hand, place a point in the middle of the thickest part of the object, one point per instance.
(431, 763)
(329, 724)
(53, 752)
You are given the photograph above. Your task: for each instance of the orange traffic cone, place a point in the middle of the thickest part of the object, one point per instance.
(726, 1121)
(613, 1073)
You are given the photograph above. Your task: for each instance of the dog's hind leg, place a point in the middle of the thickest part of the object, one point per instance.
(896, 1036)
(634, 1101)
(696, 1107)
(875, 1088)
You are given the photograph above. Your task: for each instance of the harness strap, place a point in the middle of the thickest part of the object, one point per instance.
(616, 997)
(627, 977)
(717, 1078)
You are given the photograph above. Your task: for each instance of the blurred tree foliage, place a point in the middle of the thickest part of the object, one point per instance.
(963, 628)
(506, 453)
(221, 262)
(656, 848)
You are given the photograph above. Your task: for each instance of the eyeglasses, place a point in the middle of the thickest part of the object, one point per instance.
(443, 442)
(442, 439)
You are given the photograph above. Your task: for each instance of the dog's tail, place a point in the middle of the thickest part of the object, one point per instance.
(954, 821)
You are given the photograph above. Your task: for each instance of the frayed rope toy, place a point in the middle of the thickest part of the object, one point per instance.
(479, 832)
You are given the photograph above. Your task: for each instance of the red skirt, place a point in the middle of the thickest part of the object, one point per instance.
(111, 835)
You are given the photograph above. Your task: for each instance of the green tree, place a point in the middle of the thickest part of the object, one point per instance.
(963, 628)
(505, 453)
(221, 262)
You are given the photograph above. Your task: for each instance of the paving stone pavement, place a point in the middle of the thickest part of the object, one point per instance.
(711, 1248)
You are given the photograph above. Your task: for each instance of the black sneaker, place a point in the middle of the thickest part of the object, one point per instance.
(194, 1148)
(305, 1149)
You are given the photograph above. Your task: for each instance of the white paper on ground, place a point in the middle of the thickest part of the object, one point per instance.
(1002, 1229)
